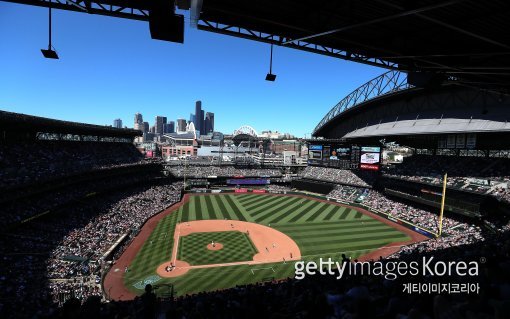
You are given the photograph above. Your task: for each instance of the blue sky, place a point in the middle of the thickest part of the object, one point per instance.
(110, 68)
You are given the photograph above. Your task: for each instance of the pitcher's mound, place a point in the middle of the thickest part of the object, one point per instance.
(217, 246)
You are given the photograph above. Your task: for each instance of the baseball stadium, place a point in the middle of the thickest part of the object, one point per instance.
(397, 205)
(257, 237)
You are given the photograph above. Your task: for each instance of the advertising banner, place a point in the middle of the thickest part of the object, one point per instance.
(372, 149)
(371, 167)
(247, 181)
(315, 148)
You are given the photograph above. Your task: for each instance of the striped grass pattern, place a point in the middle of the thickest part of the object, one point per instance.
(320, 229)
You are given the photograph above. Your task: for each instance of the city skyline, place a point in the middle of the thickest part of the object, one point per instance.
(162, 124)
(191, 119)
(174, 125)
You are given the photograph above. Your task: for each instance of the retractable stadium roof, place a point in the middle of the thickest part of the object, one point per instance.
(432, 40)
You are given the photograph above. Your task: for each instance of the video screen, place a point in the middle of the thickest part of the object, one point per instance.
(315, 152)
(326, 152)
(370, 157)
(340, 152)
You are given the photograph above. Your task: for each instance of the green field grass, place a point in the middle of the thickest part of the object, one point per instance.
(236, 247)
(320, 229)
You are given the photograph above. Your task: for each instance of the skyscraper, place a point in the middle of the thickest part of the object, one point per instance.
(168, 128)
(117, 123)
(145, 127)
(181, 125)
(159, 123)
(202, 123)
(199, 116)
(209, 122)
(138, 118)
(171, 127)
(138, 122)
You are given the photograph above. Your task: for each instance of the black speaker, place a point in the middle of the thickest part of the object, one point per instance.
(49, 54)
(270, 77)
(164, 24)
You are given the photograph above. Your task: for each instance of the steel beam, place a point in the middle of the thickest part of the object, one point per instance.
(275, 39)
(91, 7)
(451, 26)
(378, 20)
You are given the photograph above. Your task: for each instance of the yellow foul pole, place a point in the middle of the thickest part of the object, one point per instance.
(442, 205)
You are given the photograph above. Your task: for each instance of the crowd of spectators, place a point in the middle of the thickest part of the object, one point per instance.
(15, 211)
(30, 162)
(59, 256)
(418, 216)
(278, 188)
(222, 171)
(346, 193)
(56, 259)
(325, 297)
(194, 161)
(464, 234)
(477, 174)
(115, 220)
(339, 176)
(461, 235)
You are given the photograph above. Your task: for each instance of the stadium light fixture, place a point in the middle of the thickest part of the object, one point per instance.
(50, 53)
(270, 76)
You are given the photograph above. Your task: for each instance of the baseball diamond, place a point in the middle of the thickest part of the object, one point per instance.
(236, 247)
(319, 229)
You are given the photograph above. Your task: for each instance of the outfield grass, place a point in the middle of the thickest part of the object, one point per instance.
(320, 229)
(236, 247)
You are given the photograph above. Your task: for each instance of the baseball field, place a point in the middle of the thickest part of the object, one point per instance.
(215, 241)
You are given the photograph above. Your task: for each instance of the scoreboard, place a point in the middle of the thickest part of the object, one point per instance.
(346, 156)
(333, 155)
